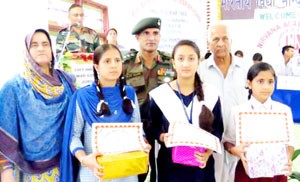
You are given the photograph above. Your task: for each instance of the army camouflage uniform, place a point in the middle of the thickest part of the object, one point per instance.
(144, 80)
(88, 41)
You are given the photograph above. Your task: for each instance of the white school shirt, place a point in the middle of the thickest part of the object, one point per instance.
(255, 105)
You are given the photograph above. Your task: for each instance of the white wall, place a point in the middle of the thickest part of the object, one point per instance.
(17, 19)
(190, 13)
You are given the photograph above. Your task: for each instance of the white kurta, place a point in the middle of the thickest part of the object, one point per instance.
(232, 91)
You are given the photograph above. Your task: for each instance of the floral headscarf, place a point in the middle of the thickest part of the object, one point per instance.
(48, 85)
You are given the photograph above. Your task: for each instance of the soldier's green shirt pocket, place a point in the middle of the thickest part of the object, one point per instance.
(135, 79)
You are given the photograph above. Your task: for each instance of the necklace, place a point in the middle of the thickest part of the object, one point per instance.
(190, 119)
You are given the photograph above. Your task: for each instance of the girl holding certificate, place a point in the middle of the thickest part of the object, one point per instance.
(106, 100)
(187, 100)
(268, 124)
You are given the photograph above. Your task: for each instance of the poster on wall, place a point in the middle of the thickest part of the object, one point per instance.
(274, 25)
(278, 27)
(233, 10)
(181, 19)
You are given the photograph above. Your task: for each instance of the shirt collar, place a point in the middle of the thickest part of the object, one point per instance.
(139, 57)
(256, 105)
(235, 62)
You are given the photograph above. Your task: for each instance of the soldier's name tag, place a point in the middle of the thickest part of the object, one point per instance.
(134, 74)
(135, 79)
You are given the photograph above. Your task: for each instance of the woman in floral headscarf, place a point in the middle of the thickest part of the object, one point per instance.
(33, 106)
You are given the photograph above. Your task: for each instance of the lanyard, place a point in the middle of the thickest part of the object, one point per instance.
(190, 119)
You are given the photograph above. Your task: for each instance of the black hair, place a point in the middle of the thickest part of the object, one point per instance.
(239, 52)
(255, 69)
(75, 5)
(207, 55)
(257, 57)
(206, 117)
(103, 108)
(286, 48)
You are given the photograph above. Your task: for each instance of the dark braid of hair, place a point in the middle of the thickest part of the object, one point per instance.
(206, 117)
(250, 93)
(102, 107)
(127, 104)
(198, 87)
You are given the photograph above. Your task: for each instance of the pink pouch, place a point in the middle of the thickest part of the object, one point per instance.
(185, 155)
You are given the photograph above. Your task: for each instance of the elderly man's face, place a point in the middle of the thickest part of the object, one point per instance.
(219, 41)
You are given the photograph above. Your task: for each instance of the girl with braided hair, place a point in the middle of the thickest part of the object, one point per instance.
(185, 99)
(106, 100)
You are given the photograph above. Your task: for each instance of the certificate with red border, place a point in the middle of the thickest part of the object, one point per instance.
(114, 138)
(262, 128)
(185, 134)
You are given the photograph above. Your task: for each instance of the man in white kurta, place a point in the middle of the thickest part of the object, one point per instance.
(228, 74)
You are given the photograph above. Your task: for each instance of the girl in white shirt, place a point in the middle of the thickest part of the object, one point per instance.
(260, 82)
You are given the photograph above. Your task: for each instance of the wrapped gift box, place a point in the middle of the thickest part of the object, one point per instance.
(265, 160)
(185, 155)
(124, 164)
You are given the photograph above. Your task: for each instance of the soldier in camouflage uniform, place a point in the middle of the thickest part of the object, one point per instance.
(81, 39)
(144, 70)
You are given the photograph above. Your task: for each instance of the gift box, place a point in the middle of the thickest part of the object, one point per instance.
(265, 160)
(185, 155)
(123, 164)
